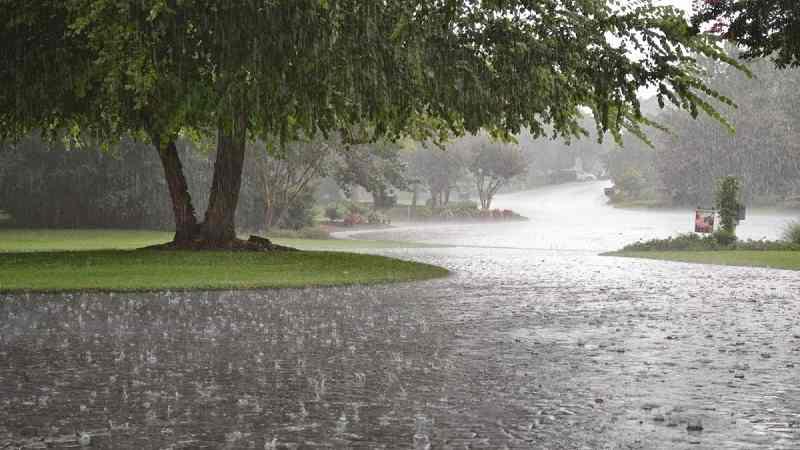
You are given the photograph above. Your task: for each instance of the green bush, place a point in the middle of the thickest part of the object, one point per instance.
(424, 212)
(792, 232)
(376, 218)
(687, 241)
(333, 213)
(464, 205)
(724, 238)
(727, 203)
(631, 183)
(354, 208)
(300, 214)
(717, 241)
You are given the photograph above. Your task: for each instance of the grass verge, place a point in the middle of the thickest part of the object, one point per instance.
(775, 259)
(142, 270)
(81, 260)
(20, 240)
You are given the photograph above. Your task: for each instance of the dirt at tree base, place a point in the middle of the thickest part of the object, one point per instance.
(253, 244)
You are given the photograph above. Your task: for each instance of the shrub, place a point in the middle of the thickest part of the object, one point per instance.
(792, 233)
(333, 213)
(354, 219)
(724, 237)
(464, 205)
(300, 214)
(424, 212)
(354, 208)
(727, 203)
(631, 183)
(717, 241)
(375, 218)
(687, 241)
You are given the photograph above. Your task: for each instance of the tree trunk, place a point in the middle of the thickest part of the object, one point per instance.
(219, 225)
(185, 221)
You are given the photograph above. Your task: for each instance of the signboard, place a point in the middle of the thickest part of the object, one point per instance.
(704, 220)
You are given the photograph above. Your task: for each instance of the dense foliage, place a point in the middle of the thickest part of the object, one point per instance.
(46, 185)
(683, 165)
(764, 28)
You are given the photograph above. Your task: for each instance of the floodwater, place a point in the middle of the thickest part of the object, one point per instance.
(575, 216)
(534, 342)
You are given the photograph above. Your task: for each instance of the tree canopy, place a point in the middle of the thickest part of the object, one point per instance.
(239, 70)
(765, 28)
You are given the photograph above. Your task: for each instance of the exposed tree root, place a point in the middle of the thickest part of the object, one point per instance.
(253, 244)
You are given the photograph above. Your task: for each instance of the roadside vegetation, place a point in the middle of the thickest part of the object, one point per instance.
(713, 242)
(718, 249)
(722, 246)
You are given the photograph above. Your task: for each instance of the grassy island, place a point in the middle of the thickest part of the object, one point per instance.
(62, 260)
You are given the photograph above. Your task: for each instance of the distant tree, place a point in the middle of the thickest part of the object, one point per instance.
(154, 69)
(438, 169)
(493, 165)
(763, 153)
(377, 167)
(287, 174)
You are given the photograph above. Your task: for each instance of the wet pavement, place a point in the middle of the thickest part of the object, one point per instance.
(520, 348)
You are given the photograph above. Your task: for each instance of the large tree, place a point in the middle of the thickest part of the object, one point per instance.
(281, 68)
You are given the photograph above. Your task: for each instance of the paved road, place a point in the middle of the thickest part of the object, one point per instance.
(520, 348)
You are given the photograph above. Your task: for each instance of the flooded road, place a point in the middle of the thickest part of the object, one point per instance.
(540, 345)
(575, 216)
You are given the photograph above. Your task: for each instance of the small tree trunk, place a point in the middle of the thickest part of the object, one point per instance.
(268, 214)
(273, 216)
(379, 199)
(447, 196)
(219, 224)
(185, 220)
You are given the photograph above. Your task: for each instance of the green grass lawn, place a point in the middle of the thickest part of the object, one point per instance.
(19, 240)
(78, 260)
(775, 259)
